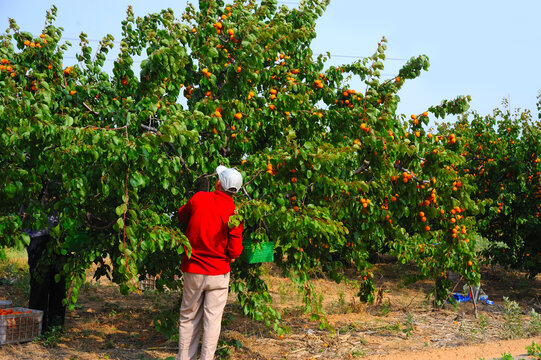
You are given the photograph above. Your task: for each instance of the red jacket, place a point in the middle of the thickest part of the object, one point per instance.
(213, 243)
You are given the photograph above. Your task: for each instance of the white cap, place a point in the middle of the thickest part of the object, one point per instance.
(230, 179)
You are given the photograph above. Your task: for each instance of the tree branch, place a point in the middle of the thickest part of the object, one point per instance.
(362, 168)
(253, 178)
(412, 176)
(90, 109)
(149, 128)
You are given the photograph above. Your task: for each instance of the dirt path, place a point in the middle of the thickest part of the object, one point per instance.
(490, 350)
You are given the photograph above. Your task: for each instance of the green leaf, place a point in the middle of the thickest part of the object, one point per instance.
(121, 209)
(212, 52)
(10, 190)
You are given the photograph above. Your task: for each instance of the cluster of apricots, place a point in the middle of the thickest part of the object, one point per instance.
(6, 66)
(9, 311)
(37, 44)
(365, 202)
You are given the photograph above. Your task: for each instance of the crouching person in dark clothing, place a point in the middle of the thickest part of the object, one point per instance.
(45, 293)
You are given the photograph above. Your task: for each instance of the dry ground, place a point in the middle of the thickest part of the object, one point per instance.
(107, 325)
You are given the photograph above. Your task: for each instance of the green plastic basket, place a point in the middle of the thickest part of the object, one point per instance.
(259, 252)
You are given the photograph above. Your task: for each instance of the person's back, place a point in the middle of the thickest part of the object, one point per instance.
(213, 243)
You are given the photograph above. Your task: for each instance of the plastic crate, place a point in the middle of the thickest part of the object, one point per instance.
(5, 304)
(149, 283)
(25, 326)
(257, 252)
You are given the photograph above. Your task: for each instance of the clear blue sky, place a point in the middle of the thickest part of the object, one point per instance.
(487, 49)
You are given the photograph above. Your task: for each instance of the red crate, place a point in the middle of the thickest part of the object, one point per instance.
(20, 327)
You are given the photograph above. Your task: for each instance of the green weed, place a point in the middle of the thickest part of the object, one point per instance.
(512, 326)
(347, 328)
(51, 338)
(394, 327)
(478, 332)
(358, 352)
(534, 324)
(385, 308)
(224, 348)
(534, 350)
(408, 326)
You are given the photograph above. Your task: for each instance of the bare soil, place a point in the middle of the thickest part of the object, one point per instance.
(401, 324)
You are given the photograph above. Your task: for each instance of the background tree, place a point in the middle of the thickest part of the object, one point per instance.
(502, 155)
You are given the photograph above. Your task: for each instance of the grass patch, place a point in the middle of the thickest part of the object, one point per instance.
(14, 258)
(14, 276)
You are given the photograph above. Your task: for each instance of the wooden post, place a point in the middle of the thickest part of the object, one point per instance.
(474, 301)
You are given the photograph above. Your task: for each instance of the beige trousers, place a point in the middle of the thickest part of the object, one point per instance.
(203, 302)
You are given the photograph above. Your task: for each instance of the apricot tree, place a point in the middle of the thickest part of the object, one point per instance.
(332, 174)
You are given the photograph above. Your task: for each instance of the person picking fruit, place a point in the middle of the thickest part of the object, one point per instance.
(206, 272)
